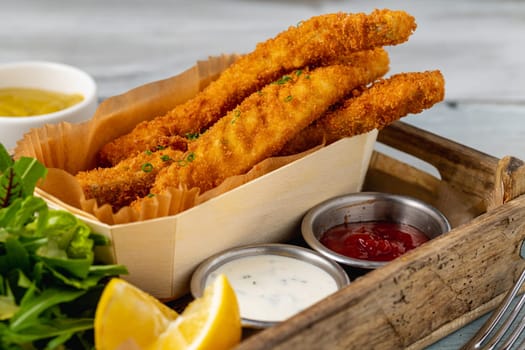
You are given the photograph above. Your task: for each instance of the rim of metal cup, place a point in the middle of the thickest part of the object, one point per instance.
(200, 275)
(356, 199)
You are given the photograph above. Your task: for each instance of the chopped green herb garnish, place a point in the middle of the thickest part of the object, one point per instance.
(236, 115)
(191, 157)
(298, 72)
(165, 157)
(161, 147)
(148, 152)
(283, 80)
(288, 98)
(192, 136)
(147, 167)
(150, 195)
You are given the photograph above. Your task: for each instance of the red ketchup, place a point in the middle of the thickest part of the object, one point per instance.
(374, 240)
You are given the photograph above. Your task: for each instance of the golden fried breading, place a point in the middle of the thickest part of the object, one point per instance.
(313, 42)
(128, 180)
(384, 102)
(261, 125)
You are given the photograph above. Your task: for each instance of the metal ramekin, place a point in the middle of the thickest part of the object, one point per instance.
(369, 206)
(198, 280)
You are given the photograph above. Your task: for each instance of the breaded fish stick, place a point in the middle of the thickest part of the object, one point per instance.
(312, 42)
(128, 180)
(123, 183)
(260, 126)
(384, 102)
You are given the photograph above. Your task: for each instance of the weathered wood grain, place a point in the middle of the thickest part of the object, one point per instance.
(433, 290)
(396, 306)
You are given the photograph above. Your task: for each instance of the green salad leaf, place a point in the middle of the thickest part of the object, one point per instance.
(18, 179)
(50, 282)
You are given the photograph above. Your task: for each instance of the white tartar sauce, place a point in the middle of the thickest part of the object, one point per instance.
(273, 287)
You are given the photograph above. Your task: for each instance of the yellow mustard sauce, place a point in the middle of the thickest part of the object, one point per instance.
(23, 102)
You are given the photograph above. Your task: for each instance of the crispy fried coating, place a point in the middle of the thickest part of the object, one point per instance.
(260, 126)
(313, 42)
(123, 183)
(384, 102)
(128, 180)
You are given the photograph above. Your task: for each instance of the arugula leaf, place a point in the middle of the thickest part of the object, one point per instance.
(77, 268)
(8, 306)
(44, 329)
(31, 308)
(91, 279)
(16, 256)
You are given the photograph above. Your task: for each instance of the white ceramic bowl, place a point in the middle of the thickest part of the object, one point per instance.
(50, 76)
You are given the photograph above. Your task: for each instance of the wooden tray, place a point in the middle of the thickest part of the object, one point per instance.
(438, 288)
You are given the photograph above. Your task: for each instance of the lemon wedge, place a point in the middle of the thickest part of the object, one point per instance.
(128, 318)
(210, 322)
(127, 315)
